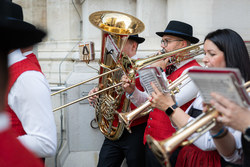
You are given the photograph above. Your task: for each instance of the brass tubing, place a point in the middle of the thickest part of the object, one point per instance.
(83, 82)
(141, 63)
(130, 116)
(177, 82)
(85, 97)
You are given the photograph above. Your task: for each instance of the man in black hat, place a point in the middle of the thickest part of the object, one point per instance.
(177, 35)
(28, 102)
(129, 145)
(12, 153)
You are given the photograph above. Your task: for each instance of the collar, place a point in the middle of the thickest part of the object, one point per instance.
(134, 57)
(15, 57)
(27, 53)
(179, 65)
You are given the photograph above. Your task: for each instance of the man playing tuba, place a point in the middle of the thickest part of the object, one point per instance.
(129, 145)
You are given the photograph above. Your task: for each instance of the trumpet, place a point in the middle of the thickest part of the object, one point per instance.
(130, 116)
(204, 122)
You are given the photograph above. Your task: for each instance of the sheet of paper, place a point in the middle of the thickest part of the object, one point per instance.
(223, 81)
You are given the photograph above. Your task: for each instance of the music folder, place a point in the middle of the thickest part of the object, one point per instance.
(225, 81)
(152, 74)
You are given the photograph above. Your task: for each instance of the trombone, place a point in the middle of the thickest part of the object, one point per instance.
(83, 82)
(131, 66)
(204, 122)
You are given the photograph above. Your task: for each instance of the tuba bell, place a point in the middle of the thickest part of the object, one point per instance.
(116, 28)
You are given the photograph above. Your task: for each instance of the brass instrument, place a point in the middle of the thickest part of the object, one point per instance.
(130, 116)
(116, 27)
(130, 66)
(124, 62)
(247, 86)
(204, 122)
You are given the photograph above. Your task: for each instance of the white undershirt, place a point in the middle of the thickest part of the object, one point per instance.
(30, 99)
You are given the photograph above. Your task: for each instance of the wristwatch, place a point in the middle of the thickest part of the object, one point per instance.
(247, 134)
(169, 111)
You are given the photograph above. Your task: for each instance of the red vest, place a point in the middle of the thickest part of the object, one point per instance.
(13, 153)
(158, 124)
(132, 107)
(33, 58)
(14, 72)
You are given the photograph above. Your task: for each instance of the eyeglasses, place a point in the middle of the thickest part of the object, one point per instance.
(165, 41)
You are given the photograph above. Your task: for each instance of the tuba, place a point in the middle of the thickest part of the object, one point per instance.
(116, 27)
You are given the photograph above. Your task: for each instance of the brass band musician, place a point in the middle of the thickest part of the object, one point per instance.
(177, 35)
(129, 145)
(220, 51)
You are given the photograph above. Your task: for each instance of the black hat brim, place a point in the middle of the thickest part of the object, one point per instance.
(139, 40)
(19, 34)
(193, 40)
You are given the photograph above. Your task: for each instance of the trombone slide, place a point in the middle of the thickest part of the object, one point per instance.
(85, 97)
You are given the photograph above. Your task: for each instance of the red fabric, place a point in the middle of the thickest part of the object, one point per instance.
(13, 153)
(158, 124)
(33, 58)
(14, 72)
(191, 156)
(132, 106)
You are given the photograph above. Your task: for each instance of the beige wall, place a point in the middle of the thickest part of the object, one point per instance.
(67, 23)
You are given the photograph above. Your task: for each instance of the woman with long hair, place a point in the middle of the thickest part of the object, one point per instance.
(223, 48)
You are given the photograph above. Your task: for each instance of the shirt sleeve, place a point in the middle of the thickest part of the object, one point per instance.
(30, 99)
(236, 157)
(206, 143)
(138, 97)
(188, 91)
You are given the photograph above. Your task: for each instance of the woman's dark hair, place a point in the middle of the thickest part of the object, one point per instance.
(234, 49)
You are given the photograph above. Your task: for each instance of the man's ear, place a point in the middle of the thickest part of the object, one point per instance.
(184, 43)
(134, 46)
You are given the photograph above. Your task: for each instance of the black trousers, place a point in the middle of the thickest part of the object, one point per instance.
(151, 160)
(129, 146)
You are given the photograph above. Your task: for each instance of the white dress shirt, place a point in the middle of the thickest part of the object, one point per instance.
(30, 99)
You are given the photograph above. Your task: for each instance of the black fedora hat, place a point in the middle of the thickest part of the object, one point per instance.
(16, 33)
(136, 38)
(179, 29)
